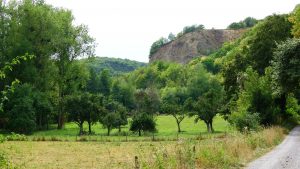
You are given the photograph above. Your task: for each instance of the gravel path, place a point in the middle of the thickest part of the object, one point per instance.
(284, 156)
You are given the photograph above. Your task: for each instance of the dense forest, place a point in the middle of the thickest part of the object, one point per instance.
(251, 82)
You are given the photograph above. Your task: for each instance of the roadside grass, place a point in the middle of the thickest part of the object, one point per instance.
(232, 150)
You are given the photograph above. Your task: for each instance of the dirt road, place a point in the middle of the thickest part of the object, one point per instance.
(284, 156)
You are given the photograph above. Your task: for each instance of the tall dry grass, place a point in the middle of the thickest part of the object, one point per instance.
(229, 151)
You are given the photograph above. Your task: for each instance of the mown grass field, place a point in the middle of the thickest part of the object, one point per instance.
(194, 148)
(166, 126)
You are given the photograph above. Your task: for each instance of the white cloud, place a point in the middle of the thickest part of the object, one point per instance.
(127, 28)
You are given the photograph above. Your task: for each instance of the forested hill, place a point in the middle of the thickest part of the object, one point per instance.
(116, 66)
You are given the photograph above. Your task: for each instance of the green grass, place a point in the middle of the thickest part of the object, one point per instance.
(166, 126)
(233, 150)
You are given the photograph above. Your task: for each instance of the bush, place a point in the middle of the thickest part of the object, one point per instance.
(2, 138)
(245, 121)
(293, 111)
(142, 122)
(20, 110)
(16, 137)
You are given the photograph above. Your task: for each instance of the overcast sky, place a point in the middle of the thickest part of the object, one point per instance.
(127, 28)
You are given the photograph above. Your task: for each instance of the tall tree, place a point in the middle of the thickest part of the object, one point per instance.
(71, 42)
(104, 83)
(286, 72)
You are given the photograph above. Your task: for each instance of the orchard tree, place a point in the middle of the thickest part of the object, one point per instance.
(76, 110)
(206, 96)
(209, 104)
(173, 103)
(95, 109)
(83, 107)
(114, 116)
(142, 122)
(147, 105)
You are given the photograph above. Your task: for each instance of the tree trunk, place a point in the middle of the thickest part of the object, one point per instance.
(61, 94)
(60, 114)
(108, 131)
(211, 126)
(208, 126)
(283, 103)
(140, 133)
(40, 122)
(47, 123)
(119, 128)
(80, 128)
(90, 128)
(178, 126)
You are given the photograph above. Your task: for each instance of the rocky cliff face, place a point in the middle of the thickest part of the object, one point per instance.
(194, 44)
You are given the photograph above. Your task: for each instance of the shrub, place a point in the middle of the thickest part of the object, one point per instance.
(20, 110)
(245, 121)
(16, 137)
(142, 122)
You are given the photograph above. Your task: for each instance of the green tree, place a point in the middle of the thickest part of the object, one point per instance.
(20, 111)
(94, 109)
(122, 91)
(76, 110)
(286, 63)
(142, 122)
(43, 108)
(206, 96)
(256, 96)
(83, 107)
(157, 45)
(173, 103)
(267, 34)
(147, 101)
(71, 42)
(295, 20)
(114, 117)
(246, 23)
(105, 83)
(209, 104)
(8, 66)
(286, 73)
(171, 37)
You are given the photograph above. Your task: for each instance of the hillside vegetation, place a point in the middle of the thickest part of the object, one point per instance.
(116, 66)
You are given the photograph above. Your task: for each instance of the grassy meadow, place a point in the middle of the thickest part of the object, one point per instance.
(193, 148)
(232, 150)
(166, 130)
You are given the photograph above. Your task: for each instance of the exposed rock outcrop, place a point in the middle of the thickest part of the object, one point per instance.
(194, 44)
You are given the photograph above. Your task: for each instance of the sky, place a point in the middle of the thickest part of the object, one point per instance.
(127, 28)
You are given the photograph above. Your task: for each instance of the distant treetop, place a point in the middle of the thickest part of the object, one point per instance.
(246, 23)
